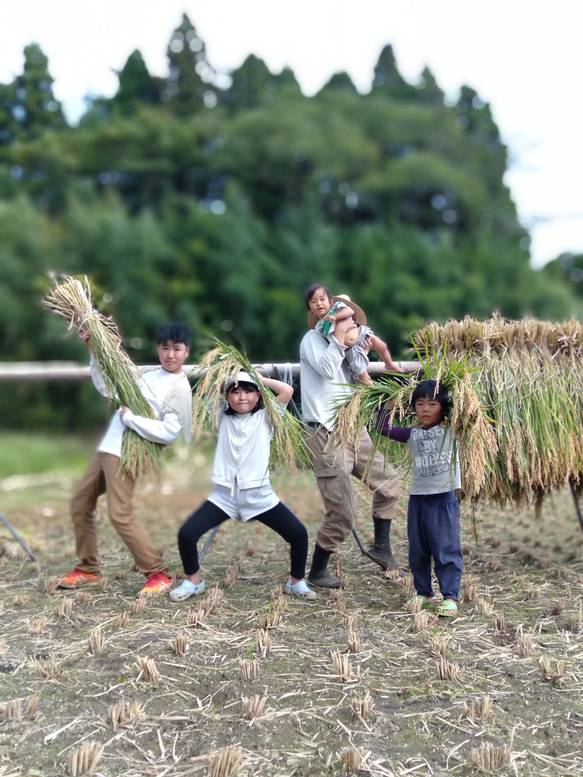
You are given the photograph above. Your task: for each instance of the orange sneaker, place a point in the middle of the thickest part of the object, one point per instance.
(156, 584)
(77, 578)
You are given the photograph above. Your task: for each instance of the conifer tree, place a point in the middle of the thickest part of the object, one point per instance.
(189, 85)
(8, 123)
(251, 85)
(254, 85)
(429, 90)
(340, 82)
(287, 81)
(475, 118)
(387, 79)
(34, 106)
(136, 86)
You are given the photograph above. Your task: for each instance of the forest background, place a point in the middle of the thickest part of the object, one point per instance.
(217, 202)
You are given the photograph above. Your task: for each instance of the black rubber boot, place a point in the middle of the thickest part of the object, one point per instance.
(380, 551)
(319, 574)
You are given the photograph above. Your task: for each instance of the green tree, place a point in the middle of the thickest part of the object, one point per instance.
(340, 82)
(387, 80)
(136, 86)
(190, 80)
(34, 106)
(429, 91)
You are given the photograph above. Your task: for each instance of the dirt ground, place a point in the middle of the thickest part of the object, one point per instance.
(247, 681)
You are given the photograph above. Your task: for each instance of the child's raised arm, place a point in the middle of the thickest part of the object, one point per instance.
(283, 391)
(344, 312)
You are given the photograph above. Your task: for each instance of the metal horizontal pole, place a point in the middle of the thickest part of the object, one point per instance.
(13, 372)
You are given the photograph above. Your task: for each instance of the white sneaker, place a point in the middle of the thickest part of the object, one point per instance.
(300, 589)
(185, 590)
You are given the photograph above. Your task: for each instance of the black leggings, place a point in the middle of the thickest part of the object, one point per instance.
(280, 518)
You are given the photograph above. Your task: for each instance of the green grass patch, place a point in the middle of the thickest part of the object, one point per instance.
(33, 454)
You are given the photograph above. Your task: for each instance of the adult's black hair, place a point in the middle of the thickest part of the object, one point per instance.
(311, 290)
(173, 331)
(246, 386)
(433, 390)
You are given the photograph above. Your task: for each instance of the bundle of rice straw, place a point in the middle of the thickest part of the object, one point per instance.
(527, 376)
(72, 299)
(471, 428)
(517, 403)
(218, 364)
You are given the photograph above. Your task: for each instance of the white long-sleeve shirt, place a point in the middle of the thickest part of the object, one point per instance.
(322, 367)
(157, 386)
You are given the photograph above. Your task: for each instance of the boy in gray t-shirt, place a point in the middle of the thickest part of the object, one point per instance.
(433, 517)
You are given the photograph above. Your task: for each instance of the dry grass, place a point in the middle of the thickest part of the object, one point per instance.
(71, 299)
(248, 681)
(84, 759)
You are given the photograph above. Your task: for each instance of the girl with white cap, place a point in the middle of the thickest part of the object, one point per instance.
(242, 487)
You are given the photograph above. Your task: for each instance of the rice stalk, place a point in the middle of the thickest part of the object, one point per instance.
(249, 668)
(225, 762)
(253, 706)
(121, 620)
(147, 670)
(48, 585)
(517, 406)
(223, 361)
(446, 670)
(354, 642)
(84, 759)
(180, 644)
(37, 626)
(527, 377)
(31, 707)
(488, 757)
(71, 299)
(64, 608)
(479, 710)
(12, 711)
(96, 640)
(47, 668)
(342, 666)
(354, 759)
(363, 706)
(124, 713)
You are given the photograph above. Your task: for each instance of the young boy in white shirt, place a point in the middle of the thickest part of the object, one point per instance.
(168, 391)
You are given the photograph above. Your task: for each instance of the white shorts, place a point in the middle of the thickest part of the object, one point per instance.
(244, 504)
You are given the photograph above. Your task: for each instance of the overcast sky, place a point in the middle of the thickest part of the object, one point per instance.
(522, 57)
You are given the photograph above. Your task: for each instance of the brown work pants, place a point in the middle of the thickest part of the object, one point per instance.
(333, 468)
(102, 477)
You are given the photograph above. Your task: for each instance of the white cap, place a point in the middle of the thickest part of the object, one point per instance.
(240, 377)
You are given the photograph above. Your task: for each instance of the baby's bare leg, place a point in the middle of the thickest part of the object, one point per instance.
(383, 351)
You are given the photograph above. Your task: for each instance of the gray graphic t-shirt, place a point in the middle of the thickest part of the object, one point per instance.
(434, 456)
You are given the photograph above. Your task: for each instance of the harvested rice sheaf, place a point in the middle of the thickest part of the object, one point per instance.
(517, 408)
(72, 299)
(223, 361)
(526, 376)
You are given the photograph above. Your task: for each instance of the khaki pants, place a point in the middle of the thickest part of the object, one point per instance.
(333, 468)
(101, 477)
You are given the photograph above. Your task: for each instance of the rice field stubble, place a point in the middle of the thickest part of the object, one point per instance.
(247, 681)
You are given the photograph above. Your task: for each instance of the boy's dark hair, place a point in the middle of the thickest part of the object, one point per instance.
(311, 290)
(246, 387)
(433, 390)
(173, 331)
